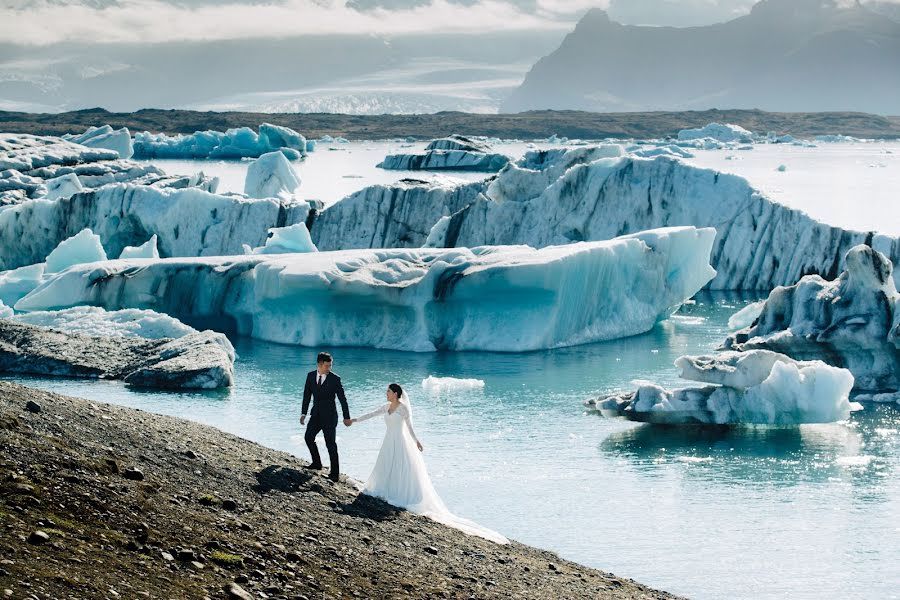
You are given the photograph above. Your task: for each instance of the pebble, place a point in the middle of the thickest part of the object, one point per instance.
(233, 590)
(133, 474)
(38, 537)
(33, 407)
(431, 550)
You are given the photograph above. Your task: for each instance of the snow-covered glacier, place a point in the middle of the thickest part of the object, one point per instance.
(187, 222)
(241, 142)
(507, 298)
(760, 244)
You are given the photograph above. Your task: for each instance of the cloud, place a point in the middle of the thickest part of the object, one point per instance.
(44, 22)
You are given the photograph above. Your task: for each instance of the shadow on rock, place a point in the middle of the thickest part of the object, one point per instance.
(369, 507)
(283, 479)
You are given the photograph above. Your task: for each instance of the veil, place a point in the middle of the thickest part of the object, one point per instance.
(404, 399)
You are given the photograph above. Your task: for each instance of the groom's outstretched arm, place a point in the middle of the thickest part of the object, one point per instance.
(307, 394)
(343, 399)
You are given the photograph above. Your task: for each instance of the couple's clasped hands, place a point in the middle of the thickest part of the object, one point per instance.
(349, 422)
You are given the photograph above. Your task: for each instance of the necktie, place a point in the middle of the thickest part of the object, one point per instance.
(320, 380)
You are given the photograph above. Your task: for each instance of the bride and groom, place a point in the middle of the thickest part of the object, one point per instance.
(399, 476)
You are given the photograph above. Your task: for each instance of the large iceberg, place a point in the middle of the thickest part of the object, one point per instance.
(105, 137)
(187, 222)
(758, 387)
(722, 132)
(459, 142)
(852, 322)
(760, 244)
(512, 298)
(23, 152)
(241, 142)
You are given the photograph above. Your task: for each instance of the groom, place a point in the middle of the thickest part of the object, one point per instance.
(323, 385)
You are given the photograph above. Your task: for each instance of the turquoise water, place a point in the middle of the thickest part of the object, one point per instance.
(805, 512)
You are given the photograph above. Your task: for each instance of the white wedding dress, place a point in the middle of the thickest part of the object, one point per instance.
(401, 478)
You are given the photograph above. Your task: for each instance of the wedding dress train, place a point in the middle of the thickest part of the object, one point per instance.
(401, 478)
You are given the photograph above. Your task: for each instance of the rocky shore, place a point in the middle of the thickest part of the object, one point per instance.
(100, 501)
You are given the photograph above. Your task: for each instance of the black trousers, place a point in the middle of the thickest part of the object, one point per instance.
(328, 427)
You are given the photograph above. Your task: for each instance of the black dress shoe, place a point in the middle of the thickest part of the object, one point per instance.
(334, 478)
(313, 467)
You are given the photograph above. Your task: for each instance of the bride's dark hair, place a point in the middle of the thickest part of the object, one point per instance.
(395, 387)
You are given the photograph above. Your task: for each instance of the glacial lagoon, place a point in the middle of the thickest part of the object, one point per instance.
(710, 513)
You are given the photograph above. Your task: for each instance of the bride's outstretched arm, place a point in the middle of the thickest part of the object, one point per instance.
(378, 411)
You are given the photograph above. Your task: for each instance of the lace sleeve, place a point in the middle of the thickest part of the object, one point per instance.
(378, 411)
(408, 422)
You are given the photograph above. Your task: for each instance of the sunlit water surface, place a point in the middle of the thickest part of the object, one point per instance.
(801, 512)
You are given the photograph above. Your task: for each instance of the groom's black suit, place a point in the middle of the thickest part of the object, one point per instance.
(324, 416)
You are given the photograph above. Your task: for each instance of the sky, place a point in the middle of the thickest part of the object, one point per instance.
(44, 22)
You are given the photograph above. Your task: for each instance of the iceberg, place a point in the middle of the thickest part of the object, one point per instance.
(271, 176)
(760, 244)
(63, 186)
(852, 322)
(241, 142)
(746, 316)
(507, 299)
(187, 222)
(17, 283)
(146, 250)
(85, 247)
(438, 385)
(286, 240)
(717, 131)
(445, 160)
(118, 140)
(774, 390)
(97, 322)
(459, 142)
(24, 152)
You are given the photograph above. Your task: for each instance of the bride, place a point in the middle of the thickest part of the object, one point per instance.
(400, 476)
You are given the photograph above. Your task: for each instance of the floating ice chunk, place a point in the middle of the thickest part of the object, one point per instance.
(437, 385)
(510, 298)
(792, 393)
(781, 168)
(666, 150)
(732, 369)
(271, 176)
(84, 247)
(341, 140)
(146, 250)
(286, 240)
(459, 142)
(96, 321)
(326, 139)
(836, 139)
(746, 316)
(5, 311)
(24, 152)
(63, 186)
(105, 137)
(852, 321)
(723, 133)
(17, 283)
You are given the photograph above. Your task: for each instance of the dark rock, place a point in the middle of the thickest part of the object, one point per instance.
(133, 474)
(431, 550)
(33, 407)
(229, 504)
(185, 555)
(38, 537)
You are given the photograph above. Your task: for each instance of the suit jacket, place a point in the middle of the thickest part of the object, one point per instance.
(323, 396)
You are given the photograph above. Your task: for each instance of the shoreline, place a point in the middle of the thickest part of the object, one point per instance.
(528, 125)
(142, 503)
